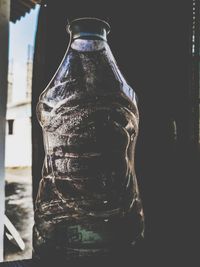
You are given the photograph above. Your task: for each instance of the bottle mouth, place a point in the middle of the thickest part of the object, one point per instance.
(88, 27)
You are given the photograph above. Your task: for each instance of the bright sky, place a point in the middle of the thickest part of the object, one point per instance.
(22, 33)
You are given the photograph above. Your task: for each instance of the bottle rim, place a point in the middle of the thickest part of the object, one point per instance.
(105, 23)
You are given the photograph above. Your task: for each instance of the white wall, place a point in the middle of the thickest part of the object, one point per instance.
(18, 145)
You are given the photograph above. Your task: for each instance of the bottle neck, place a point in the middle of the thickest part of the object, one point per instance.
(89, 29)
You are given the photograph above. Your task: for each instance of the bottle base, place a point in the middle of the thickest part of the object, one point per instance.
(88, 257)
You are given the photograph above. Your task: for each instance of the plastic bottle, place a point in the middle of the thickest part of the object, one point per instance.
(88, 201)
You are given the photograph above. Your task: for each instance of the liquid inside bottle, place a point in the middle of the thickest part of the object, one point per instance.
(88, 200)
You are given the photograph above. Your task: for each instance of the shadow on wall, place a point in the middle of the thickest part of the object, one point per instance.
(19, 210)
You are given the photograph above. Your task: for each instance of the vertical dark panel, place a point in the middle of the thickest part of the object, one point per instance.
(195, 62)
(51, 43)
(194, 161)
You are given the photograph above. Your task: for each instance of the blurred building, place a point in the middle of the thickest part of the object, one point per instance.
(18, 120)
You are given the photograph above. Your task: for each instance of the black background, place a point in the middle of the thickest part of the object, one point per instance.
(151, 41)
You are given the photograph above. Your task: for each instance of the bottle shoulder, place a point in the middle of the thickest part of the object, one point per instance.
(88, 76)
(93, 72)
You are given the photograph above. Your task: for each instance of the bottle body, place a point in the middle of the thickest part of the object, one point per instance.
(88, 201)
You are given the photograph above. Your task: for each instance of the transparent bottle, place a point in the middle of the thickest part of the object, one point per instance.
(88, 201)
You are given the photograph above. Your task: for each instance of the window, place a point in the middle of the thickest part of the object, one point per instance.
(10, 127)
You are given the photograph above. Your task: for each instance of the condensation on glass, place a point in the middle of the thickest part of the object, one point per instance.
(88, 201)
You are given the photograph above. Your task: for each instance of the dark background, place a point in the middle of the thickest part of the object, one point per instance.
(151, 41)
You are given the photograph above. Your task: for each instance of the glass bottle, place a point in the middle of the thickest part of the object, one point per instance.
(88, 201)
